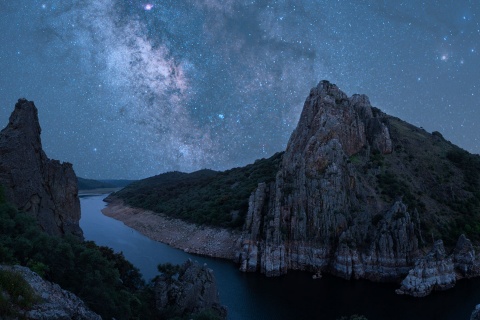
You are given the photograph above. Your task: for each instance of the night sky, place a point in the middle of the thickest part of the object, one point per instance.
(130, 89)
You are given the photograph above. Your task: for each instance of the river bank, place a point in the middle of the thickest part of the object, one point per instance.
(212, 242)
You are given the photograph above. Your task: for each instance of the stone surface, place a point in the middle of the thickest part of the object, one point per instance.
(476, 313)
(45, 188)
(435, 271)
(318, 213)
(464, 258)
(193, 290)
(56, 303)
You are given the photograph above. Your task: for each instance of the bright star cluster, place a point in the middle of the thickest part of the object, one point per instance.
(130, 89)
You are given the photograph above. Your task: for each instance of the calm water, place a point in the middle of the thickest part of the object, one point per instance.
(294, 296)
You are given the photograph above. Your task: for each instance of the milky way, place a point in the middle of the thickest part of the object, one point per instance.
(129, 89)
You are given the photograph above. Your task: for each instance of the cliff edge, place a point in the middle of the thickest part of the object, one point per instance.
(45, 188)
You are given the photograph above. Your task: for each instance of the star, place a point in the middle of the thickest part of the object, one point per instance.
(148, 6)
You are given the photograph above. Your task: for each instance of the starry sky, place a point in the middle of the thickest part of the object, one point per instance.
(129, 89)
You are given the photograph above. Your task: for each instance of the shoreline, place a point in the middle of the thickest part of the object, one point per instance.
(202, 240)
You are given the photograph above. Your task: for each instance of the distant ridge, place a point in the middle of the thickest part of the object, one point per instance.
(90, 184)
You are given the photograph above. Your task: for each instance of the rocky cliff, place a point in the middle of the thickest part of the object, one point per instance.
(45, 188)
(190, 289)
(359, 194)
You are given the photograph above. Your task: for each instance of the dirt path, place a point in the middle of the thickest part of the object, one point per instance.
(213, 242)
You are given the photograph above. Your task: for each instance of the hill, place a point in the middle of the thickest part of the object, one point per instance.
(203, 197)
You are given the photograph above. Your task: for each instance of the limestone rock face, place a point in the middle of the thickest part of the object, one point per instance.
(55, 303)
(320, 214)
(435, 271)
(464, 258)
(45, 188)
(194, 290)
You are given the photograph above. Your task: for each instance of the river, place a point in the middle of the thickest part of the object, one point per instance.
(293, 296)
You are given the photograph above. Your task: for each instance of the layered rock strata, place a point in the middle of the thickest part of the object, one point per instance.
(45, 188)
(192, 290)
(320, 214)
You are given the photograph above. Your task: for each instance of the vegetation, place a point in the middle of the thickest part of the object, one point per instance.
(438, 181)
(205, 196)
(109, 285)
(15, 294)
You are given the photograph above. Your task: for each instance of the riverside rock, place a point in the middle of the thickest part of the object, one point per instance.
(435, 271)
(192, 290)
(318, 213)
(350, 200)
(55, 303)
(42, 187)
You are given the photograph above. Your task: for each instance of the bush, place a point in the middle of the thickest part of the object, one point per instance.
(15, 293)
(110, 285)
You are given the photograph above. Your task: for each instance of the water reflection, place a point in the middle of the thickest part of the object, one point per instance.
(295, 296)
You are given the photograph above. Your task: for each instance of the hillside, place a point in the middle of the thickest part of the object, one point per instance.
(357, 193)
(203, 197)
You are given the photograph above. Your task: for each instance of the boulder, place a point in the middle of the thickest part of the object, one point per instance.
(192, 289)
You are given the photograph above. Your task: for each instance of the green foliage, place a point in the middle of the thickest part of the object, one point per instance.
(205, 196)
(15, 293)
(168, 269)
(108, 284)
(469, 164)
(393, 187)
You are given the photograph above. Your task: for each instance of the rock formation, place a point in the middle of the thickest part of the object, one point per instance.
(435, 271)
(476, 313)
(55, 303)
(192, 290)
(318, 214)
(45, 188)
(345, 200)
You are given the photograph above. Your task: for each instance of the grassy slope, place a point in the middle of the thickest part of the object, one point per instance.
(434, 178)
(205, 196)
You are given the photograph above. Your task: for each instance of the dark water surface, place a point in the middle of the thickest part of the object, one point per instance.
(294, 296)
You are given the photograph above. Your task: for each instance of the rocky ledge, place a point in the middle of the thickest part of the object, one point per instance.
(55, 303)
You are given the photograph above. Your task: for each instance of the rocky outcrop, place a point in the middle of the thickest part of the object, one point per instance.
(464, 258)
(476, 313)
(435, 271)
(320, 214)
(192, 289)
(45, 188)
(54, 302)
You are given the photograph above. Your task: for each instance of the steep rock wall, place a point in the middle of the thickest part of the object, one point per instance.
(321, 214)
(45, 188)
